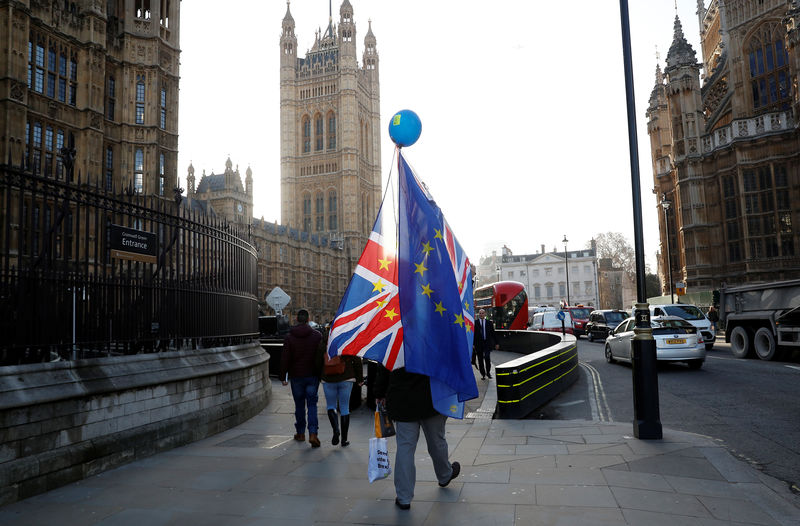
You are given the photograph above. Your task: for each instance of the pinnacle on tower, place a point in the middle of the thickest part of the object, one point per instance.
(680, 53)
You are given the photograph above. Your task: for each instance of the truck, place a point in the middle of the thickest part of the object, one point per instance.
(760, 318)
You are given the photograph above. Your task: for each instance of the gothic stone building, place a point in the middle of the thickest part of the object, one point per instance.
(330, 133)
(310, 267)
(99, 77)
(726, 148)
(330, 169)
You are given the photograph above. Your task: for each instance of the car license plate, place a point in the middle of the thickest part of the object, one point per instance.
(676, 341)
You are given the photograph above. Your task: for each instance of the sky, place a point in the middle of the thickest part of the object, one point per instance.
(523, 109)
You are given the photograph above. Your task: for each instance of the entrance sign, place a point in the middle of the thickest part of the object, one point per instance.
(131, 244)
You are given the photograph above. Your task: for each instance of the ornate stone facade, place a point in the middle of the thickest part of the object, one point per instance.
(330, 133)
(99, 77)
(726, 152)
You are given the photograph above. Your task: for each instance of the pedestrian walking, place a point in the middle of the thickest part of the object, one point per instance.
(300, 363)
(337, 383)
(408, 400)
(713, 317)
(483, 344)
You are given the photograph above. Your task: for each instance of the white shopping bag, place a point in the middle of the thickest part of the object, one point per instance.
(378, 459)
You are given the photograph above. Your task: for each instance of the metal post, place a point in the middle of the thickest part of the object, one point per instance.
(646, 421)
(665, 204)
(566, 265)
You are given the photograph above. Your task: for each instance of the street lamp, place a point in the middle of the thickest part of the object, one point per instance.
(566, 264)
(646, 420)
(666, 204)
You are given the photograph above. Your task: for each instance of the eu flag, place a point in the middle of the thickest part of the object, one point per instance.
(435, 283)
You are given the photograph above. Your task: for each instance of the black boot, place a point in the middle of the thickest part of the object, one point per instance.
(345, 428)
(334, 425)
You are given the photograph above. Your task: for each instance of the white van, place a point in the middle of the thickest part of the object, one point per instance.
(547, 321)
(691, 314)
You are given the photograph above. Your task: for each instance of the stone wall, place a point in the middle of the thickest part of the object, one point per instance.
(64, 421)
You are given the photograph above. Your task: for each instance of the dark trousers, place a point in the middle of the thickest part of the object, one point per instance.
(484, 361)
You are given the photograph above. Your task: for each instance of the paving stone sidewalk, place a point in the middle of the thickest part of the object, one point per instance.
(521, 472)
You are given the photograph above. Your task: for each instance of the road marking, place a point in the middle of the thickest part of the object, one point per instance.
(793, 367)
(597, 396)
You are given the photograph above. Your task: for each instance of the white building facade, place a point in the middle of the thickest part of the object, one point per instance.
(545, 276)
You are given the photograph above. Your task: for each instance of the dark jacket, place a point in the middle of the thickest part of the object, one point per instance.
(300, 352)
(353, 369)
(408, 395)
(481, 343)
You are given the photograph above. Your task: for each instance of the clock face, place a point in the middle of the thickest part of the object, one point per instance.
(240, 207)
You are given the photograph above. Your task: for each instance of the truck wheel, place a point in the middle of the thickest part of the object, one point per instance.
(764, 343)
(741, 342)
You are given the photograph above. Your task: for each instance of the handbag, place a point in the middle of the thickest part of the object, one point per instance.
(333, 366)
(378, 467)
(384, 427)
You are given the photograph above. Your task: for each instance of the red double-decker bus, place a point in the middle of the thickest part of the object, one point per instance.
(505, 303)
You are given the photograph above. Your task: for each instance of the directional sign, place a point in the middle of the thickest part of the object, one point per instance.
(560, 315)
(278, 299)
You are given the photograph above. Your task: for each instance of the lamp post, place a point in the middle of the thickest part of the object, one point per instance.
(566, 264)
(646, 420)
(665, 205)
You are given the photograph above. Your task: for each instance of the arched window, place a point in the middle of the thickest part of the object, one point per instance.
(140, 99)
(769, 69)
(331, 131)
(306, 134)
(320, 199)
(319, 130)
(138, 171)
(306, 212)
(332, 219)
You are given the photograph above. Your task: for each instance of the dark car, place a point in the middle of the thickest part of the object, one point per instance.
(602, 322)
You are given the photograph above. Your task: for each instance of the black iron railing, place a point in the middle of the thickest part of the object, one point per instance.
(67, 291)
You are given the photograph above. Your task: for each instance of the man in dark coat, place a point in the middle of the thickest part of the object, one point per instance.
(409, 403)
(300, 361)
(483, 344)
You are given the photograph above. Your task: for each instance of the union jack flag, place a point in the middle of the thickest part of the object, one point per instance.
(368, 323)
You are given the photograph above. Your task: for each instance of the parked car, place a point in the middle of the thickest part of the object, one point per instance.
(580, 317)
(602, 322)
(548, 321)
(691, 314)
(676, 340)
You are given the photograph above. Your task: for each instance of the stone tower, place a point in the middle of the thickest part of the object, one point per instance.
(330, 132)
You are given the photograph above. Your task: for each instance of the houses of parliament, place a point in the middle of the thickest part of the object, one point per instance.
(725, 146)
(100, 79)
(330, 168)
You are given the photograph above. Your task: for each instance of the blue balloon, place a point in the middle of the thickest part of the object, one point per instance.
(405, 128)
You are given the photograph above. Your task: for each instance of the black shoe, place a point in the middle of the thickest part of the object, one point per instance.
(483, 378)
(489, 376)
(456, 467)
(401, 505)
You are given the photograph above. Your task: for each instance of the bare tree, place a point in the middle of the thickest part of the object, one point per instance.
(615, 246)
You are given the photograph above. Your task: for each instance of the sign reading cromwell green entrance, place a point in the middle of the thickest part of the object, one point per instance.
(132, 244)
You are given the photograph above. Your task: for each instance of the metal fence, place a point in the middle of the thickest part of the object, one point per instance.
(68, 290)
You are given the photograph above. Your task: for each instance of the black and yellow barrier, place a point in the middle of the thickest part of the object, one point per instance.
(530, 381)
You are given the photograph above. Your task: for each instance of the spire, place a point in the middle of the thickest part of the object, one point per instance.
(287, 19)
(680, 52)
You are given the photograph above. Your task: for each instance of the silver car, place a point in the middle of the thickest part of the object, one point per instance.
(676, 340)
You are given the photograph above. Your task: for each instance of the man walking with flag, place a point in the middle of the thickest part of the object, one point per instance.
(409, 403)
(409, 308)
